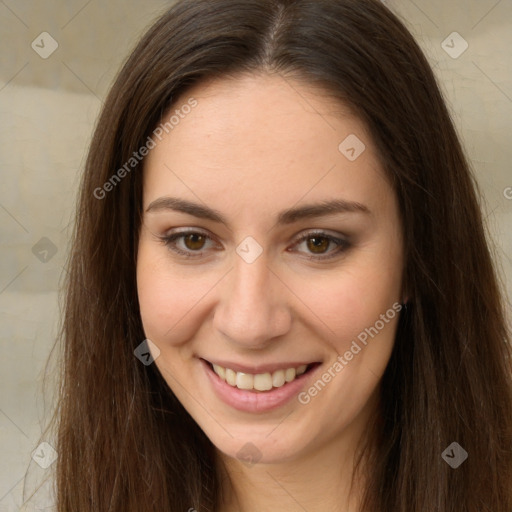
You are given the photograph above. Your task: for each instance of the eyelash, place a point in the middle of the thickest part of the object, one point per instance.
(169, 242)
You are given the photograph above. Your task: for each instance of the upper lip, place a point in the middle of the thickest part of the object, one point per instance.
(260, 368)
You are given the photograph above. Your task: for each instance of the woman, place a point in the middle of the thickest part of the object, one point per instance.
(280, 290)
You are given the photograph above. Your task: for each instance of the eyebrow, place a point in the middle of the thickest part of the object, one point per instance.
(288, 216)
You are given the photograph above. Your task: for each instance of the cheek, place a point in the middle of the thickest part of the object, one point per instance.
(166, 297)
(348, 304)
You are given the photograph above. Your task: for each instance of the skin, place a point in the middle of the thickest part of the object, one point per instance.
(254, 146)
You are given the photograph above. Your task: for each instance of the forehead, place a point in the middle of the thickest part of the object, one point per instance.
(258, 139)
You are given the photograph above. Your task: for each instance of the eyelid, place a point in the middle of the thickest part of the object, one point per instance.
(168, 238)
(340, 240)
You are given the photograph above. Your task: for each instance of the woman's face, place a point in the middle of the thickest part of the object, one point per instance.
(258, 276)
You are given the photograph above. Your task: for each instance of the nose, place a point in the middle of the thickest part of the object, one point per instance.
(253, 305)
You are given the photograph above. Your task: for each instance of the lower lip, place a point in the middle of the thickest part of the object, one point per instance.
(256, 401)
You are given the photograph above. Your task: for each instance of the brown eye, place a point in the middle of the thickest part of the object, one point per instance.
(318, 244)
(188, 243)
(322, 246)
(194, 241)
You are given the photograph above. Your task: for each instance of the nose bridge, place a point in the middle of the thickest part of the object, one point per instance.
(252, 308)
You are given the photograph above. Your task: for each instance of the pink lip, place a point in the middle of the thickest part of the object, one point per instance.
(256, 401)
(262, 368)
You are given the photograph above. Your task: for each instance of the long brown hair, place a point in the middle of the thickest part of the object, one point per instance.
(125, 442)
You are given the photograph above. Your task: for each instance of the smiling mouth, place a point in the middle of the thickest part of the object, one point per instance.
(260, 381)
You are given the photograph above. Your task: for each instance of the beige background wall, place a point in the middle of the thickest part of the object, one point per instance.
(47, 110)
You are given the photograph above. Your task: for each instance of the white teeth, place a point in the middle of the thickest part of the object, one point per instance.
(220, 371)
(260, 381)
(289, 374)
(278, 378)
(244, 380)
(301, 369)
(230, 377)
